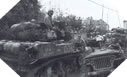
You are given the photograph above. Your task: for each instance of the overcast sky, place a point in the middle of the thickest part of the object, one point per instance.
(85, 8)
(82, 8)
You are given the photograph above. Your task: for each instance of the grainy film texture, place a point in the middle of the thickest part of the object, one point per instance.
(50, 38)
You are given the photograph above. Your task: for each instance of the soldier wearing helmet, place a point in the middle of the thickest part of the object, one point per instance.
(48, 19)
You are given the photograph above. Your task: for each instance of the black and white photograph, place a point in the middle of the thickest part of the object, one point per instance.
(64, 38)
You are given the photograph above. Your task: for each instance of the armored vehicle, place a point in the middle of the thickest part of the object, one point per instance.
(36, 57)
(30, 59)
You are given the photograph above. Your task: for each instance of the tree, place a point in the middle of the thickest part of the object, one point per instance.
(95, 27)
(73, 23)
(25, 10)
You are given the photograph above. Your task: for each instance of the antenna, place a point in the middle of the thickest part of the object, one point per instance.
(107, 16)
(118, 18)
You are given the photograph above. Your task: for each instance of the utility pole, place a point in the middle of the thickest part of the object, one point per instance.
(107, 17)
(102, 11)
(118, 18)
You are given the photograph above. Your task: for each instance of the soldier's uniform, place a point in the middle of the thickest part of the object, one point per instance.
(48, 19)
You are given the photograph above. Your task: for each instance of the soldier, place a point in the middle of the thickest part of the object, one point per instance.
(80, 43)
(79, 39)
(48, 19)
(51, 34)
(100, 39)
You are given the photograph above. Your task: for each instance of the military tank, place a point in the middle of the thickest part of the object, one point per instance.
(33, 57)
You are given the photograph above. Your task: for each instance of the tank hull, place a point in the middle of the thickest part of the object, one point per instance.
(29, 58)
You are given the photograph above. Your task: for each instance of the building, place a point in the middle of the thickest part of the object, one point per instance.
(101, 24)
(125, 24)
(96, 23)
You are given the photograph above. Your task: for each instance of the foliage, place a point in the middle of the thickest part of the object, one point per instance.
(95, 27)
(77, 24)
(73, 23)
(25, 10)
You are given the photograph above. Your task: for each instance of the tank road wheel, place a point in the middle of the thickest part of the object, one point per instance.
(52, 70)
(62, 70)
(57, 67)
(44, 72)
(41, 71)
(85, 71)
